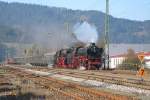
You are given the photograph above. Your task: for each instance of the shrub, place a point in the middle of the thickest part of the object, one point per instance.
(131, 61)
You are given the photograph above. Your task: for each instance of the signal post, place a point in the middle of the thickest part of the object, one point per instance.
(141, 71)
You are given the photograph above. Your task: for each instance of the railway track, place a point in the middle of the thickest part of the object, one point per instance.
(130, 82)
(71, 90)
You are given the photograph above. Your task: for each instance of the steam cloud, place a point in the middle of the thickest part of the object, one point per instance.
(86, 32)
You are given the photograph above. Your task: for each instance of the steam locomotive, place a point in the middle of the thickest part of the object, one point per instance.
(86, 57)
(79, 57)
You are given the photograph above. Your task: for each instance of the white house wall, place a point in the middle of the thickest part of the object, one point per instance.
(147, 63)
(115, 61)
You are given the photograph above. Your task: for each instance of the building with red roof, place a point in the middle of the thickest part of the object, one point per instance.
(116, 60)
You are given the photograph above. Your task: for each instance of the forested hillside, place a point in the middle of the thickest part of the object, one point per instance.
(22, 19)
(52, 27)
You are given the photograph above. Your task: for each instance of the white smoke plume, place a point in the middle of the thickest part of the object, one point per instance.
(85, 32)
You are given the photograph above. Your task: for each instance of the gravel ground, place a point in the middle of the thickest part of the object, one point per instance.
(98, 84)
(16, 88)
(144, 94)
(133, 90)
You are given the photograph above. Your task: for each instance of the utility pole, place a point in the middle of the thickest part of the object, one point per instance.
(67, 22)
(67, 26)
(7, 51)
(107, 35)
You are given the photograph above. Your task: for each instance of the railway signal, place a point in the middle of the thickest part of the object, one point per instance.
(141, 57)
(141, 70)
(141, 73)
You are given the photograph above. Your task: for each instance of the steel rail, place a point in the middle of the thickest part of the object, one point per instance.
(84, 89)
(104, 78)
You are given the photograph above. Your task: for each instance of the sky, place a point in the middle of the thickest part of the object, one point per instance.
(129, 9)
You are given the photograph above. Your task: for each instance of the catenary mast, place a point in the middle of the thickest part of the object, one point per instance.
(107, 35)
